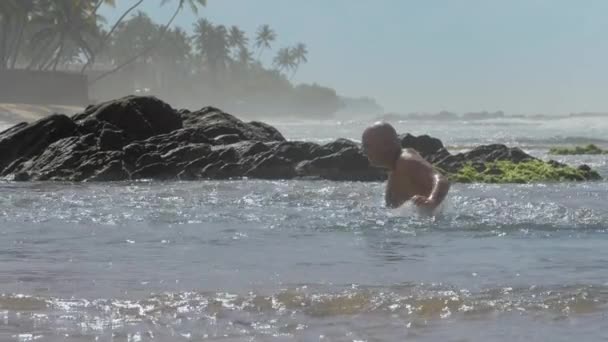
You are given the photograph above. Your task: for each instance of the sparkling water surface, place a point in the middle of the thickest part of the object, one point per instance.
(257, 260)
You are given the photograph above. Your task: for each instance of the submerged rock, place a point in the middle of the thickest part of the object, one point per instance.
(144, 138)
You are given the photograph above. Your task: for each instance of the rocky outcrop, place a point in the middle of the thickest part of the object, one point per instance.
(216, 124)
(23, 141)
(144, 138)
(481, 155)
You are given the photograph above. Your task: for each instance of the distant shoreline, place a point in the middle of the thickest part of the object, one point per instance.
(483, 116)
(12, 113)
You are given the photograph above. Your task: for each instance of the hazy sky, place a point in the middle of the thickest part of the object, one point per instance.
(521, 56)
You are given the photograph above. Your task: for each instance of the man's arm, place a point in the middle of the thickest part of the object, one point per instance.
(441, 186)
(438, 183)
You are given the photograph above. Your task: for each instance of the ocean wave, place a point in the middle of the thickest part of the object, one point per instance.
(294, 310)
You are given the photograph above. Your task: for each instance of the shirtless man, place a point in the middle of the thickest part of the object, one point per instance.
(410, 177)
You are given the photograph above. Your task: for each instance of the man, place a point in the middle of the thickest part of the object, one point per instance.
(410, 177)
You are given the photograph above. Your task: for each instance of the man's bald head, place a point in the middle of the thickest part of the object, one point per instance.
(381, 144)
(380, 131)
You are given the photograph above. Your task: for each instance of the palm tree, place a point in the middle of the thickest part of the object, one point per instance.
(202, 31)
(245, 57)
(176, 49)
(133, 36)
(64, 22)
(264, 37)
(98, 3)
(8, 9)
(21, 12)
(237, 39)
(193, 4)
(201, 39)
(212, 43)
(217, 52)
(105, 38)
(300, 55)
(285, 60)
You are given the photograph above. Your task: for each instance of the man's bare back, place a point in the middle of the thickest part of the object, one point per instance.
(414, 178)
(410, 177)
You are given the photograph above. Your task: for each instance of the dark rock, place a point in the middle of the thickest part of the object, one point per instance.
(133, 152)
(183, 112)
(497, 152)
(148, 159)
(181, 136)
(483, 154)
(187, 153)
(15, 165)
(339, 145)
(140, 117)
(71, 159)
(266, 131)
(21, 177)
(114, 171)
(91, 126)
(27, 141)
(194, 169)
(162, 144)
(589, 173)
(424, 144)
(226, 154)
(216, 123)
(277, 160)
(584, 167)
(204, 161)
(273, 167)
(143, 137)
(348, 164)
(297, 151)
(111, 140)
(94, 126)
(187, 175)
(437, 156)
(13, 129)
(555, 163)
(222, 170)
(255, 149)
(158, 171)
(180, 162)
(227, 139)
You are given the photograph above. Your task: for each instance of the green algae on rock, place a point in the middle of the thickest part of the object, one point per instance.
(589, 149)
(524, 172)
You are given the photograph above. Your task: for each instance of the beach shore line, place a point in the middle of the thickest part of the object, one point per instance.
(12, 113)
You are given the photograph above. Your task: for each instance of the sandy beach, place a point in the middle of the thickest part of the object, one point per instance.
(11, 113)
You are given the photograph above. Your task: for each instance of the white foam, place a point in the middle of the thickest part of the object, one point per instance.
(409, 209)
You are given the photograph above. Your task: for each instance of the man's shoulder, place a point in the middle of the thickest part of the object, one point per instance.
(409, 155)
(410, 158)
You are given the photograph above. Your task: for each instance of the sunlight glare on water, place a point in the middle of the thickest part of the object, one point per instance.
(294, 260)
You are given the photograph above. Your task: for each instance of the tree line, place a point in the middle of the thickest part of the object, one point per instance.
(215, 63)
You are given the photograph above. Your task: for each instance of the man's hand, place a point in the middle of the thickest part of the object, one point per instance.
(424, 202)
